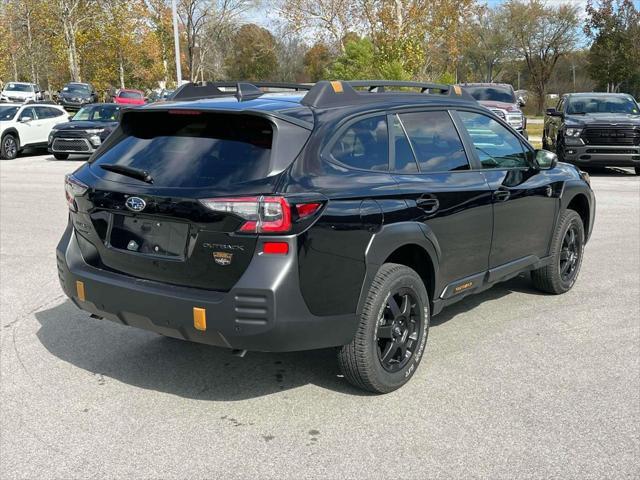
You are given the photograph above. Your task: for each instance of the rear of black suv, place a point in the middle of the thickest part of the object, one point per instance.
(176, 227)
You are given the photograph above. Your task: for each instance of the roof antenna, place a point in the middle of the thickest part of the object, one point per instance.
(247, 91)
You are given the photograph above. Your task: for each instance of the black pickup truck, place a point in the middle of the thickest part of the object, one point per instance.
(595, 130)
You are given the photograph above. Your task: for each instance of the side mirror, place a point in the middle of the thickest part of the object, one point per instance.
(546, 160)
(552, 112)
(25, 119)
(521, 102)
(70, 118)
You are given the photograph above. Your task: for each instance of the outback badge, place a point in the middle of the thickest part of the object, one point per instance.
(223, 258)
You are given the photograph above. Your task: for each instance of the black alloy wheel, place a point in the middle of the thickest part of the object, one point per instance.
(569, 254)
(398, 330)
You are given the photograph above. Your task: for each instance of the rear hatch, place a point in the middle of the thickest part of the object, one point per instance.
(172, 223)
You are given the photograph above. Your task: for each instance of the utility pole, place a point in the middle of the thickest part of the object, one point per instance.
(573, 70)
(518, 79)
(176, 41)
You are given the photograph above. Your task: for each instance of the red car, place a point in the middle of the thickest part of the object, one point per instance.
(128, 96)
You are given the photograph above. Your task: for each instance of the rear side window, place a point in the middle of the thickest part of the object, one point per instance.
(364, 145)
(435, 141)
(193, 149)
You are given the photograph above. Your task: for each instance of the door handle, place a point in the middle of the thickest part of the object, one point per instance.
(501, 195)
(428, 204)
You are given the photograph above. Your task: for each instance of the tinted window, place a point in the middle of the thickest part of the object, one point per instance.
(136, 95)
(19, 87)
(7, 113)
(435, 141)
(76, 88)
(194, 150)
(365, 145)
(492, 94)
(495, 145)
(404, 160)
(47, 112)
(102, 113)
(54, 112)
(29, 112)
(603, 104)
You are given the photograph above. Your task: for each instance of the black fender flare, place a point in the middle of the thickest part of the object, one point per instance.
(387, 240)
(571, 189)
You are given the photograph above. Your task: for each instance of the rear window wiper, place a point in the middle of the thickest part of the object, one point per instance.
(128, 171)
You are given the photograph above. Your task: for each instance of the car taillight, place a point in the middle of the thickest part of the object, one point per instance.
(262, 214)
(73, 188)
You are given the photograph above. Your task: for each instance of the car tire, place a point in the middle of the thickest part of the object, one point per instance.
(567, 247)
(9, 147)
(392, 333)
(60, 156)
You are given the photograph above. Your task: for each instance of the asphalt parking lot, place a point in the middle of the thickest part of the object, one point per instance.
(513, 384)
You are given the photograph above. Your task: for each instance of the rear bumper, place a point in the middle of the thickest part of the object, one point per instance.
(602, 156)
(265, 311)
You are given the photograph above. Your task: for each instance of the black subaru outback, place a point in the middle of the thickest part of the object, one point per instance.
(343, 214)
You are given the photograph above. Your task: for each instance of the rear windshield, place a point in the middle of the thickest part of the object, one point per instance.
(193, 149)
(136, 95)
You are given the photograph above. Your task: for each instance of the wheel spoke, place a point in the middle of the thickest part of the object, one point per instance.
(564, 254)
(389, 352)
(406, 306)
(565, 268)
(385, 331)
(395, 308)
(572, 237)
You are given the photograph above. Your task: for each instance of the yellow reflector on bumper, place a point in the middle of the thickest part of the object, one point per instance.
(80, 290)
(199, 318)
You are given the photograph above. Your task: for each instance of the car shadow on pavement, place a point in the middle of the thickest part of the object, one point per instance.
(143, 359)
(147, 360)
(609, 172)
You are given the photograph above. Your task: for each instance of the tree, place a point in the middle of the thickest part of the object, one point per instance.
(614, 26)
(254, 55)
(72, 14)
(330, 20)
(491, 48)
(357, 61)
(541, 35)
(316, 60)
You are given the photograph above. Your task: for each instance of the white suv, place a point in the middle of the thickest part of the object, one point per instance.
(20, 92)
(27, 125)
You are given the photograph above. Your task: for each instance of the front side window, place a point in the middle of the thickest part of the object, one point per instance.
(364, 145)
(495, 145)
(29, 112)
(435, 141)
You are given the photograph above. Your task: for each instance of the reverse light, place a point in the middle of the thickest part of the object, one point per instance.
(73, 188)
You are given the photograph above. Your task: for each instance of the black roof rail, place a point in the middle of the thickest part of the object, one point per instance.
(337, 93)
(241, 90)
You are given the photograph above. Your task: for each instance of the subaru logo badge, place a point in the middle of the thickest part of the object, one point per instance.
(135, 204)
